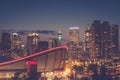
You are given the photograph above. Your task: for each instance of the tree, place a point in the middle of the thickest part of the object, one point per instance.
(16, 76)
(94, 69)
(78, 69)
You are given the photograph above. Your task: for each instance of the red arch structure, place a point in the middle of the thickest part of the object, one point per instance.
(48, 60)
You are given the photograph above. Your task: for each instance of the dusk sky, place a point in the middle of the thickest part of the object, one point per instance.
(56, 14)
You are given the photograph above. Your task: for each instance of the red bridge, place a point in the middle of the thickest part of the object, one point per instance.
(48, 60)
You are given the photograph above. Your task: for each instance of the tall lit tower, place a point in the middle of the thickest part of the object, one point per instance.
(16, 41)
(74, 35)
(87, 39)
(73, 42)
(32, 42)
(105, 38)
(114, 40)
(88, 42)
(96, 32)
(59, 38)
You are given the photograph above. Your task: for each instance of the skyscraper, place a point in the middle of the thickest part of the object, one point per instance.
(73, 42)
(114, 39)
(96, 37)
(16, 41)
(88, 42)
(32, 43)
(5, 41)
(74, 35)
(105, 39)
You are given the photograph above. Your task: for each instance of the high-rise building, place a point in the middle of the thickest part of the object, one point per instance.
(96, 37)
(74, 35)
(73, 43)
(5, 41)
(114, 39)
(16, 41)
(88, 42)
(104, 39)
(32, 43)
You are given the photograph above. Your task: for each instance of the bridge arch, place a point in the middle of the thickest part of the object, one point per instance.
(47, 60)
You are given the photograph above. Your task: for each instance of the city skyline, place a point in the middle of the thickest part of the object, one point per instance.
(59, 39)
(56, 14)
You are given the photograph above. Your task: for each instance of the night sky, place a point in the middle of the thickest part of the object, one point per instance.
(56, 14)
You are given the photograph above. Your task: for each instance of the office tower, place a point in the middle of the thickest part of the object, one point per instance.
(105, 42)
(114, 40)
(73, 43)
(88, 42)
(32, 43)
(43, 45)
(16, 41)
(5, 41)
(110, 40)
(105, 39)
(96, 36)
(87, 39)
(74, 35)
